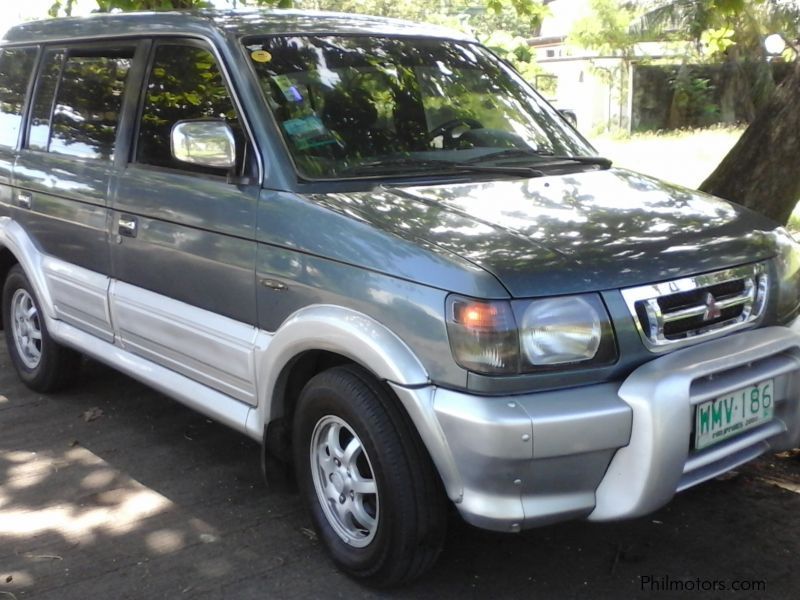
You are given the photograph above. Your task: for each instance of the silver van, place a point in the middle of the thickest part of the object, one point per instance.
(370, 245)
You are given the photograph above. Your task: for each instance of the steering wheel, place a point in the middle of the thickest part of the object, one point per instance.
(448, 128)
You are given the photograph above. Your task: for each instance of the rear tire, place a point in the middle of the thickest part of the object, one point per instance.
(41, 363)
(375, 499)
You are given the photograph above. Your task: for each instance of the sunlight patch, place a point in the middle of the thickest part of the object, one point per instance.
(165, 541)
(72, 513)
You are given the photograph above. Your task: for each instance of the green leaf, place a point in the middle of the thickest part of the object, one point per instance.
(193, 98)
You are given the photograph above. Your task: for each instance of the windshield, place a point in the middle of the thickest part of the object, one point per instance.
(354, 106)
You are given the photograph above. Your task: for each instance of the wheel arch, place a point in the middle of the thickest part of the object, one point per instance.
(7, 261)
(328, 335)
(312, 340)
(16, 247)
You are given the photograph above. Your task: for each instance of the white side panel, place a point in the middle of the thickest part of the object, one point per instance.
(206, 347)
(218, 406)
(80, 297)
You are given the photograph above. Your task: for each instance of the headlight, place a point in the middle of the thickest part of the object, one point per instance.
(503, 338)
(788, 265)
(560, 330)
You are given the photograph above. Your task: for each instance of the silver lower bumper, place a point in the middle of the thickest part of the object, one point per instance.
(608, 451)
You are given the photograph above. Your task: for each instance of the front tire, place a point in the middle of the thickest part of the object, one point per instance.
(375, 499)
(41, 363)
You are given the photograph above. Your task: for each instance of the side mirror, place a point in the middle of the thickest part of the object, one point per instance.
(206, 143)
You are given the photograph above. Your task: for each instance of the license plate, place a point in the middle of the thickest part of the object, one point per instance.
(733, 413)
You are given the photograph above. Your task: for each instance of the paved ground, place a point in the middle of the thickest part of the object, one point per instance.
(113, 491)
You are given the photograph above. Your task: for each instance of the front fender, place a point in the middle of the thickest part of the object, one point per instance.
(370, 344)
(343, 331)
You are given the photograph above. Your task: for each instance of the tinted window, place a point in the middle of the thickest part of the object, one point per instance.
(185, 82)
(88, 105)
(16, 66)
(50, 70)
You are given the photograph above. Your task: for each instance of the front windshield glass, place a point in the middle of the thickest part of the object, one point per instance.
(356, 106)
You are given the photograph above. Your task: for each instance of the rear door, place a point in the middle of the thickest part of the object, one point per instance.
(183, 248)
(16, 67)
(64, 171)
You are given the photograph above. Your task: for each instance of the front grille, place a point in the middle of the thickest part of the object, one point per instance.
(684, 311)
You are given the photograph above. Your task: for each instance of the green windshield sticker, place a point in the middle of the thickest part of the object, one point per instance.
(308, 132)
(290, 92)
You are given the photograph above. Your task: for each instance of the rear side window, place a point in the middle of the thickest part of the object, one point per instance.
(16, 66)
(88, 104)
(185, 82)
(42, 113)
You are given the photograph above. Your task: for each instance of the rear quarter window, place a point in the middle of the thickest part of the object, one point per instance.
(16, 67)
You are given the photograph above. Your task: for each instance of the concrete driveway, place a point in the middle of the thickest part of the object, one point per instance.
(114, 491)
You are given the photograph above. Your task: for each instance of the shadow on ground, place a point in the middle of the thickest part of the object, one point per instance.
(114, 491)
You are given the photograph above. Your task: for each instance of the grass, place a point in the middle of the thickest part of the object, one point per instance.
(685, 157)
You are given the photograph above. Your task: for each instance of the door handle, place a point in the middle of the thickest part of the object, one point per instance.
(127, 226)
(24, 200)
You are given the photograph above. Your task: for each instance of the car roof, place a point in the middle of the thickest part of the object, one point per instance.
(236, 23)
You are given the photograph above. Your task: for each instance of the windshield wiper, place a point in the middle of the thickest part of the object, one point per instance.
(600, 161)
(390, 166)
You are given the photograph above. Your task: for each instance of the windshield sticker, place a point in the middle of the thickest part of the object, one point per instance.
(261, 56)
(308, 132)
(290, 92)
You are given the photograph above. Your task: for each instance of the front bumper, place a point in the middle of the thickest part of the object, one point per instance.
(607, 451)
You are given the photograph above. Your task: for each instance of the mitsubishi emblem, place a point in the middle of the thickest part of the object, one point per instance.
(712, 310)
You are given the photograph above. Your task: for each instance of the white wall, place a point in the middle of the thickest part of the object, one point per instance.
(597, 90)
(563, 14)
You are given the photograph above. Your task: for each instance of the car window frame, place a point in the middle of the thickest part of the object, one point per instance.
(250, 147)
(144, 41)
(29, 87)
(91, 47)
(26, 134)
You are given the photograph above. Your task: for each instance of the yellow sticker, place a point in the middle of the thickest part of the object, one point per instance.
(261, 56)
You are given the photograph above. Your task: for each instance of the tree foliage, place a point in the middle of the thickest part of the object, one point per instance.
(716, 26)
(760, 172)
(503, 25)
(608, 29)
(482, 17)
(65, 7)
(492, 14)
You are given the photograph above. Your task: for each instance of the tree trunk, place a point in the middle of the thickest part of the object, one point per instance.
(677, 116)
(762, 171)
(736, 101)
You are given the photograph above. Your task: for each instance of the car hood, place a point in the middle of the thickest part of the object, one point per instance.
(573, 233)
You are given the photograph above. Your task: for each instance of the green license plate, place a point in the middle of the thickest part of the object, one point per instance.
(733, 413)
